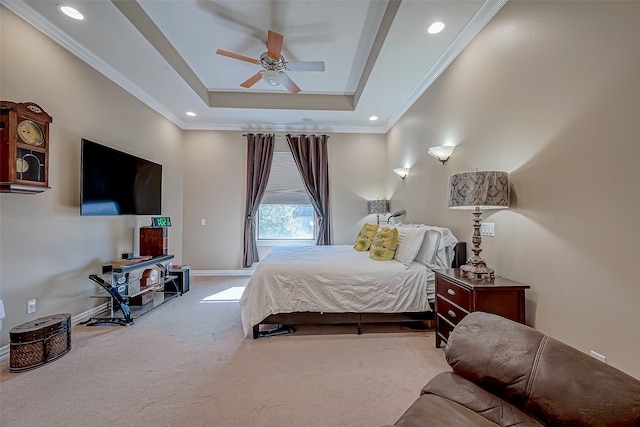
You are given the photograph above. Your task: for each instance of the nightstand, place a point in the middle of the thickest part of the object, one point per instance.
(457, 296)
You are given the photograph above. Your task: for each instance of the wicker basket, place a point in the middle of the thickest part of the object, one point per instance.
(40, 341)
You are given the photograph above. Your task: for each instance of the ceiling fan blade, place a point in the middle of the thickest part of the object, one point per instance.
(288, 83)
(252, 80)
(237, 56)
(305, 65)
(274, 44)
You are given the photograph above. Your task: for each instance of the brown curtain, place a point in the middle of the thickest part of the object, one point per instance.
(310, 154)
(259, 156)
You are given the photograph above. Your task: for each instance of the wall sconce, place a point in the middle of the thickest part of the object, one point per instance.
(441, 152)
(401, 172)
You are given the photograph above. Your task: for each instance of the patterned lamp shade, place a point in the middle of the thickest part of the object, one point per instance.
(484, 190)
(378, 207)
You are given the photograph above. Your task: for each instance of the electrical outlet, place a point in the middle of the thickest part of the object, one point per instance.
(598, 356)
(487, 229)
(31, 306)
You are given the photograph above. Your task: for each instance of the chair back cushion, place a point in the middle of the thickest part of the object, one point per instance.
(551, 381)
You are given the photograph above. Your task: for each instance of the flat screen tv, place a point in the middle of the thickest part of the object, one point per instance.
(117, 183)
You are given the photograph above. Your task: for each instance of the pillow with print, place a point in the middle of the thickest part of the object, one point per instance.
(366, 235)
(383, 246)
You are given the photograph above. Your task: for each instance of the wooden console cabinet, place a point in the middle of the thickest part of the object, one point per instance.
(457, 296)
(154, 241)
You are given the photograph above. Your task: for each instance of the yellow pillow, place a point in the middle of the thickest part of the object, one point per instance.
(383, 246)
(367, 233)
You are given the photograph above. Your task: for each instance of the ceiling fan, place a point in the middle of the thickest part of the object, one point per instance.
(274, 65)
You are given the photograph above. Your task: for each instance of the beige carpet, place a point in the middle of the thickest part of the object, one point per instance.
(188, 364)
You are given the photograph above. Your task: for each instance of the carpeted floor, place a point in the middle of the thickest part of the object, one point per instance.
(187, 363)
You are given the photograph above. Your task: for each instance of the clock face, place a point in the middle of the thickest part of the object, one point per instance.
(149, 277)
(30, 133)
(153, 275)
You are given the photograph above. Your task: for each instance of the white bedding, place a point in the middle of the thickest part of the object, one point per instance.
(332, 279)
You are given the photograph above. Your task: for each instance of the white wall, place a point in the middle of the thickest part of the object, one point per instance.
(548, 91)
(47, 249)
(215, 183)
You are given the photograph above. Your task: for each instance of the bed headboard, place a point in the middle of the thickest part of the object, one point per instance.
(459, 255)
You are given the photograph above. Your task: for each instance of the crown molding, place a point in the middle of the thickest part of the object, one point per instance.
(30, 15)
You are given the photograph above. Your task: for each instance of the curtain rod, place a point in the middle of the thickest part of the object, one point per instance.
(284, 135)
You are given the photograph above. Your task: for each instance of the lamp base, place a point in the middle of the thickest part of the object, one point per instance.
(477, 269)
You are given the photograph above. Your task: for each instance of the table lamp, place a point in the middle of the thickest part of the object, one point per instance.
(377, 207)
(478, 191)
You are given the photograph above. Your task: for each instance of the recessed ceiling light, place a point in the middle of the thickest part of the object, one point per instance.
(190, 114)
(373, 118)
(71, 12)
(436, 27)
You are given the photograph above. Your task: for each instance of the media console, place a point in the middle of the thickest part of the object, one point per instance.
(135, 289)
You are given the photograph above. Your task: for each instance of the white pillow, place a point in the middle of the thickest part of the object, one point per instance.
(437, 250)
(427, 253)
(409, 242)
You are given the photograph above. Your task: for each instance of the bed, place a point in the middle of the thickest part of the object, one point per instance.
(338, 284)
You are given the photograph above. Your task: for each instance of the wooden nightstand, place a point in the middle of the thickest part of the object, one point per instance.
(457, 296)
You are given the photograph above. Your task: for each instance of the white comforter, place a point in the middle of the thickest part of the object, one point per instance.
(332, 279)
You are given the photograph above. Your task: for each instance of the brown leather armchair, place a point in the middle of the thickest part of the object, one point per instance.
(508, 374)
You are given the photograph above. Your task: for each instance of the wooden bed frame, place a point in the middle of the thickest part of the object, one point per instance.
(287, 319)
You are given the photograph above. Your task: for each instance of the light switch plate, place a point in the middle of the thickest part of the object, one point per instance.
(487, 229)
(31, 306)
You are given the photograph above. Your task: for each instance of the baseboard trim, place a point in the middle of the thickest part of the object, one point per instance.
(79, 318)
(221, 272)
(94, 312)
(4, 352)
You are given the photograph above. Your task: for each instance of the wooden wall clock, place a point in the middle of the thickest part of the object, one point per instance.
(24, 148)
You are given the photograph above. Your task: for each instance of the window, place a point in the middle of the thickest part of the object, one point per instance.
(286, 221)
(285, 212)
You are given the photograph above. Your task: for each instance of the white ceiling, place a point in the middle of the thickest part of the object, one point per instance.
(378, 57)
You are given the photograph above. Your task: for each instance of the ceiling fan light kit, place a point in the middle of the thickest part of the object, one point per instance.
(274, 65)
(271, 77)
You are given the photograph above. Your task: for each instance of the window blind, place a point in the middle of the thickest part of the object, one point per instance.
(285, 185)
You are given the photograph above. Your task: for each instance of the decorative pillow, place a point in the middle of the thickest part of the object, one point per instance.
(383, 246)
(366, 235)
(409, 242)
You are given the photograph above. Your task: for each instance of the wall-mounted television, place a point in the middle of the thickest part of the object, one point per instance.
(117, 183)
